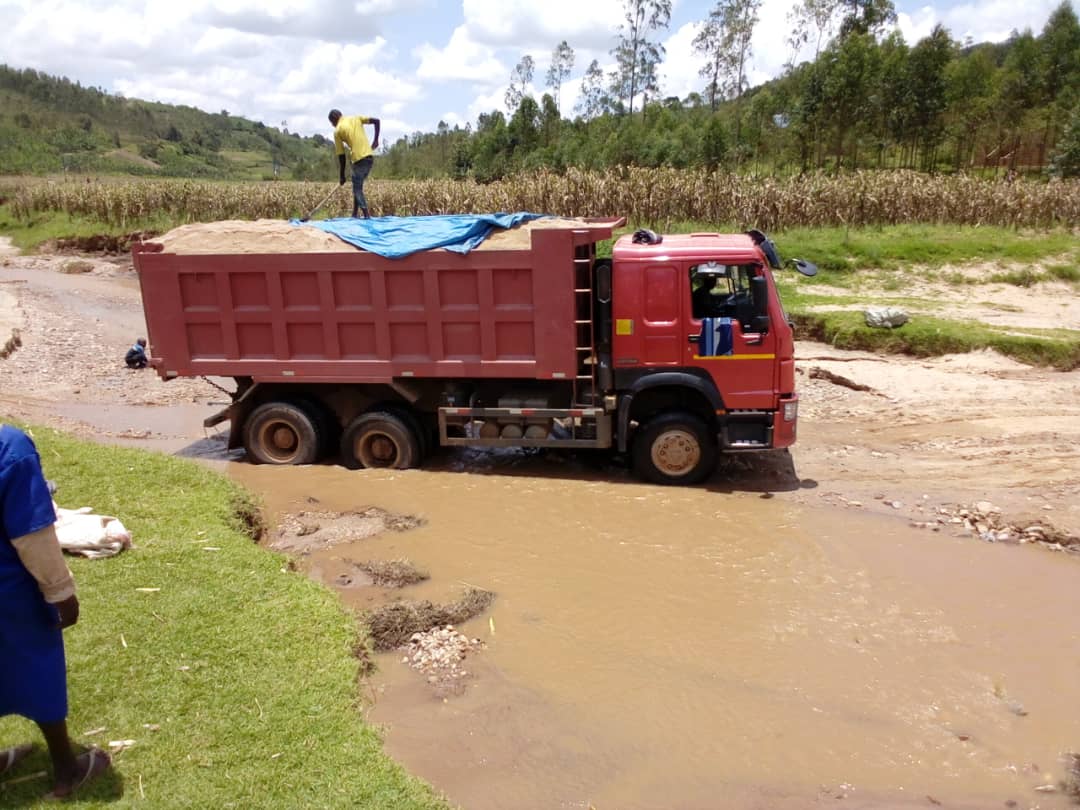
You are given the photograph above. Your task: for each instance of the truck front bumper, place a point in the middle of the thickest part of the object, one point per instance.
(786, 421)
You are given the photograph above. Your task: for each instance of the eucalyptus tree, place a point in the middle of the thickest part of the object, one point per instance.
(724, 39)
(562, 63)
(811, 19)
(637, 55)
(520, 78)
(593, 99)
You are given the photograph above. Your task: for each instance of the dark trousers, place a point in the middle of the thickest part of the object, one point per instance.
(360, 170)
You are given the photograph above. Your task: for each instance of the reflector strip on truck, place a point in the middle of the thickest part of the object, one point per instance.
(737, 357)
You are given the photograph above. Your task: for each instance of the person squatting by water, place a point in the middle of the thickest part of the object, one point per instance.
(136, 355)
(37, 602)
(349, 131)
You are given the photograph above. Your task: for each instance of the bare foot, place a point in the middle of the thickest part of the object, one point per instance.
(90, 764)
(10, 757)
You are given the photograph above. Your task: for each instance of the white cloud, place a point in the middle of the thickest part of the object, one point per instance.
(992, 21)
(327, 20)
(589, 25)
(461, 59)
(485, 103)
(679, 71)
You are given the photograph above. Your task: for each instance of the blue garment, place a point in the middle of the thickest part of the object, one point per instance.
(360, 170)
(716, 339)
(395, 237)
(136, 357)
(33, 678)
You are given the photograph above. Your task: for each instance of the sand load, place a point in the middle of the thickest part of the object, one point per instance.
(280, 236)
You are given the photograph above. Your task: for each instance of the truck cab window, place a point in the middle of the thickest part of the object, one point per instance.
(722, 291)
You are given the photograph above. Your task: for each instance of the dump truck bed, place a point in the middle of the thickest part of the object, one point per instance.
(353, 316)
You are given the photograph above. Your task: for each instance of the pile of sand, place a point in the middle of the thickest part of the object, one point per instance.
(520, 236)
(280, 236)
(243, 236)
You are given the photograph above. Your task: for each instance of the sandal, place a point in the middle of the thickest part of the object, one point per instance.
(10, 757)
(96, 762)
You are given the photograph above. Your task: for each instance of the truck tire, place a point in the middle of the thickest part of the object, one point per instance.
(674, 448)
(411, 419)
(282, 433)
(380, 439)
(324, 420)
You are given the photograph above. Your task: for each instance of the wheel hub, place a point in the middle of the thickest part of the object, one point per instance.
(676, 452)
(283, 438)
(377, 450)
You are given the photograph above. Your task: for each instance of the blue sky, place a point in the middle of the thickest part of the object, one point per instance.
(410, 62)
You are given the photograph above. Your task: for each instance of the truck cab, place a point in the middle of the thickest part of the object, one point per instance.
(702, 351)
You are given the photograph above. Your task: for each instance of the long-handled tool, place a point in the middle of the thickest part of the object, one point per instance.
(321, 204)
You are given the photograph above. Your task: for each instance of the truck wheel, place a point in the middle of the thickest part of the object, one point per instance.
(324, 420)
(414, 422)
(380, 439)
(282, 433)
(674, 448)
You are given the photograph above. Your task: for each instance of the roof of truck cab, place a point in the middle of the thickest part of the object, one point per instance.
(687, 246)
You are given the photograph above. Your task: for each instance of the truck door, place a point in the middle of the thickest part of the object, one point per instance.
(741, 362)
(660, 314)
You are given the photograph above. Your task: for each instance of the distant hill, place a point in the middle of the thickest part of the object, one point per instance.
(51, 124)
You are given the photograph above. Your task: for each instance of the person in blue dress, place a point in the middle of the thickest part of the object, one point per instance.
(37, 602)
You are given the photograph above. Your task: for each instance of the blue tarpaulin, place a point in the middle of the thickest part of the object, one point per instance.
(394, 237)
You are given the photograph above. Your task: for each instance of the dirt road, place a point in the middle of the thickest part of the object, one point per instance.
(819, 627)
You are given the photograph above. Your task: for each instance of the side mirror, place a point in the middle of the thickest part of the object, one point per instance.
(808, 269)
(759, 294)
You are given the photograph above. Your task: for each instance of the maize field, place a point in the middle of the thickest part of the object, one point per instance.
(654, 197)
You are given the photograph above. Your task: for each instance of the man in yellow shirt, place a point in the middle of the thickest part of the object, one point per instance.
(349, 131)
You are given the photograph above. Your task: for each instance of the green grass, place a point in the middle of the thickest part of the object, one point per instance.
(891, 247)
(29, 235)
(929, 337)
(248, 669)
(839, 251)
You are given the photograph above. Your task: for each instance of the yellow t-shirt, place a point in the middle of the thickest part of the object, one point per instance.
(350, 130)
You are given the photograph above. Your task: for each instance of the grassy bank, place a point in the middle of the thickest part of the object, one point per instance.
(31, 233)
(931, 337)
(236, 679)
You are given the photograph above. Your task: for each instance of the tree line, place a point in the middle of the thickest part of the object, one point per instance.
(867, 99)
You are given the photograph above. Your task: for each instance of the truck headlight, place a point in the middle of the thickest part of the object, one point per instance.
(791, 411)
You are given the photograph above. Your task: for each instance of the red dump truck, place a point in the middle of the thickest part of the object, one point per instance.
(674, 349)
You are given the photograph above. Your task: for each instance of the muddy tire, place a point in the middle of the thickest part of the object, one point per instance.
(380, 439)
(416, 424)
(674, 448)
(282, 433)
(325, 421)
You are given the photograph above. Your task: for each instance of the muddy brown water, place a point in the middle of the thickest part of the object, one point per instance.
(688, 648)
